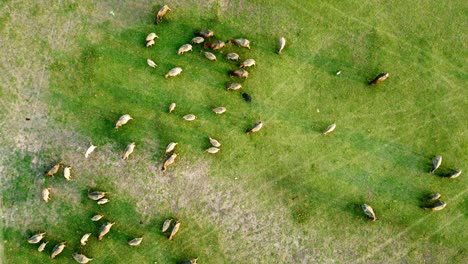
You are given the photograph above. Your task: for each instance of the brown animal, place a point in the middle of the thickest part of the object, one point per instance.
(161, 13)
(240, 42)
(169, 161)
(217, 45)
(241, 73)
(209, 55)
(57, 249)
(104, 230)
(206, 33)
(233, 86)
(128, 150)
(380, 78)
(174, 230)
(54, 170)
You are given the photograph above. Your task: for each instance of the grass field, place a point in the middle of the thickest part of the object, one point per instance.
(287, 194)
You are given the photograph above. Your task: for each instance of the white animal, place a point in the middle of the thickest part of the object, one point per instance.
(89, 150)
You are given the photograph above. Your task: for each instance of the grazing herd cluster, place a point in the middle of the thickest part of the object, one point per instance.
(205, 37)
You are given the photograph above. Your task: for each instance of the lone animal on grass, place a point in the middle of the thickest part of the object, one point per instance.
(166, 225)
(454, 174)
(281, 44)
(248, 63)
(206, 33)
(58, 249)
(247, 97)
(173, 72)
(189, 117)
(97, 217)
(54, 170)
(161, 13)
(329, 129)
(36, 238)
(90, 150)
(233, 86)
(241, 73)
(174, 231)
(171, 146)
(219, 110)
(436, 162)
(255, 128)
(232, 56)
(172, 107)
(67, 173)
(151, 63)
(184, 48)
(212, 150)
(151, 36)
(214, 142)
(245, 43)
(135, 241)
(80, 258)
(433, 196)
(209, 55)
(197, 40)
(96, 195)
(169, 161)
(84, 239)
(369, 211)
(45, 194)
(380, 78)
(217, 45)
(128, 150)
(150, 43)
(102, 201)
(189, 261)
(104, 229)
(42, 246)
(437, 206)
(123, 120)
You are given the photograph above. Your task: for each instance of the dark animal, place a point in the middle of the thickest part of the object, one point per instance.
(247, 97)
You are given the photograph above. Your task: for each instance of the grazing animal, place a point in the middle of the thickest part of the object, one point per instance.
(212, 150)
(123, 120)
(128, 150)
(369, 211)
(104, 229)
(172, 107)
(103, 201)
(161, 13)
(197, 40)
(166, 225)
(169, 161)
(436, 162)
(329, 129)
(170, 147)
(97, 217)
(89, 150)
(241, 73)
(42, 246)
(380, 78)
(36, 238)
(454, 174)
(219, 110)
(189, 117)
(206, 33)
(232, 56)
(245, 43)
(151, 36)
(437, 206)
(45, 194)
(96, 195)
(209, 55)
(173, 72)
(217, 45)
(255, 128)
(248, 63)
(281, 44)
(54, 170)
(57, 249)
(84, 239)
(184, 48)
(233, 86)
(214, 142)
(151, 63)
(80, 258)
(174, 231)
(150, 43)
(67, 173)
(190, 261)
(247, 97)
(135, 241)
(434, 196)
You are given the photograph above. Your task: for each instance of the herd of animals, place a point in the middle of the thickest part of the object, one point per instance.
(432, 201)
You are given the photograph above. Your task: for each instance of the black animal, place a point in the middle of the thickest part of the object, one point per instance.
(247, 97)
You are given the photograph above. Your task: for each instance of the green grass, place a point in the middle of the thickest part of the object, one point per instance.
(379, 154)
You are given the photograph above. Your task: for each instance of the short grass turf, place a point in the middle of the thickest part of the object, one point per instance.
(379, 154)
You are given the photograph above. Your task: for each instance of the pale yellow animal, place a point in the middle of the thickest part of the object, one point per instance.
(248, 63)
(369, 211)
(84, 239)
(174, 230)
(89, 150)
(212, 150)
(184, 48)
(42, 246)
(96, 195)
(232, 56)
(128, 150)
(215, 142)
(233, 86)
(97, 217)
(172, 107)
(197, 40)
(173, 72)
(219, 110)
(58, 249)
(329, 129)
(282, 44)
(80, 258)
(166, 225)
(171, 146)
(67, 173)
(123, 120)
(209, 55)
(135, 241)
(104, 230)
(150, 43)
(102, 201)
(255, 128)
(161, 13)
(169, 161)
(46, 194)
(151, 36)
(189, 117)
(151, 63)
(241, 42)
